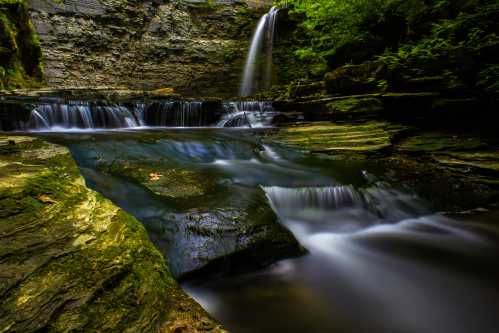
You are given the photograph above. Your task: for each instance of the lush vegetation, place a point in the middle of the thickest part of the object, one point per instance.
(20, 53)
(457, 39)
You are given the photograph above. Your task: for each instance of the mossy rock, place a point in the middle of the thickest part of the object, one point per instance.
(434, 142)
(20, 51)
(339, 138)
(71, 260)
(355, 108)
(165, 181)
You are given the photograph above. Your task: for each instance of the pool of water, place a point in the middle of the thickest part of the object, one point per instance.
(380, 259)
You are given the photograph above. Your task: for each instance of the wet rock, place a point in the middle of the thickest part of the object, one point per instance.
(72, 260)
(168, 182)
(207, 230)
(228, 240)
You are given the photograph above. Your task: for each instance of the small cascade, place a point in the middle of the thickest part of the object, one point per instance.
(379, 200)
(258, 68)
(177, 114)
(61, 115)
(285, 200)
(252, 114)
(79, 115)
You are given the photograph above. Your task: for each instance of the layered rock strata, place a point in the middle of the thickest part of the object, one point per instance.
(196, 47)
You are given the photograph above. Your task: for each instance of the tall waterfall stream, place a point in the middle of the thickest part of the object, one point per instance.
(258, 68)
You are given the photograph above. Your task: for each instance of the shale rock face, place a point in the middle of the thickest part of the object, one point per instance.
(70, 260)
(197, 47)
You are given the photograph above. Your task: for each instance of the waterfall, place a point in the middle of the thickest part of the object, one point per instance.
(177, 114)
(257, 75)
(80, 115)
(379, 199)
(61, 115)
(252, 114)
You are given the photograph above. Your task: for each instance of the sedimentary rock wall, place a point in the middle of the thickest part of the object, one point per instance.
(195, 46)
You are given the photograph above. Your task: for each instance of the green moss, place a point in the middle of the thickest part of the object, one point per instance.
(336, 138)
(20, 51)
(355, 105)
(173, 183)
(434, 142)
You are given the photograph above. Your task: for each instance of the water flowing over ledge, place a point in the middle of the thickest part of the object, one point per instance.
(62, 115)
(258, 68)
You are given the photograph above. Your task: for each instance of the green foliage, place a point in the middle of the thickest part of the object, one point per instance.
(488, 79)
(413, 37)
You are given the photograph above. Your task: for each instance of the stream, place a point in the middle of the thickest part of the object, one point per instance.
(379, 259)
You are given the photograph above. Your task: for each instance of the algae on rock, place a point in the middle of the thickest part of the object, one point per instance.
(72, 260)
(336, 138)
(20, 52)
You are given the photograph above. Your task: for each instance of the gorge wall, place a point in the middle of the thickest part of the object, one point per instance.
(195, 46)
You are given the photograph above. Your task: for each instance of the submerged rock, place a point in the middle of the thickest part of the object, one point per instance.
(70, 260)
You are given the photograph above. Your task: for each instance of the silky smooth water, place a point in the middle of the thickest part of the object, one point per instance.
(380, 258)
(258, 68)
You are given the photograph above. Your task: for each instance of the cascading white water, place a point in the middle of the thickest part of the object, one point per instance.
(61, 115)
(253, 114)
(80, 115)
(173, 114)
(257, 75)
(319, 202)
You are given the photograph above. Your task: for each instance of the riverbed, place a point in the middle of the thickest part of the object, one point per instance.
(379, 257)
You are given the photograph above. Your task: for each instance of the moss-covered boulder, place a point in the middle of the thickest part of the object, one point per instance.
(70, 260)
(356, 79)
(466, 156)
(432, 142)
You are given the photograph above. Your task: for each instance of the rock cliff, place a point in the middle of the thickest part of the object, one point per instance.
(198, 47)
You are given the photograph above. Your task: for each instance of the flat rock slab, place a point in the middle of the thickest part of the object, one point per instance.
(340, 138)
(70, 260)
